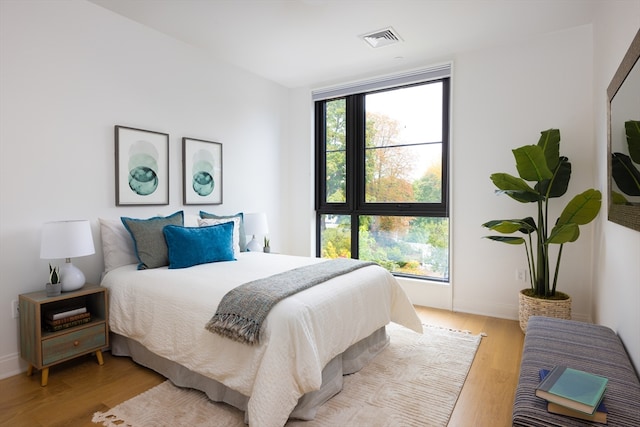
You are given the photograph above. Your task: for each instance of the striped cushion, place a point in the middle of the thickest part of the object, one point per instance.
(588, 347)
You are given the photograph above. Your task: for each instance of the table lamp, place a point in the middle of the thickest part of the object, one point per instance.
(67, 239)
(255, 223)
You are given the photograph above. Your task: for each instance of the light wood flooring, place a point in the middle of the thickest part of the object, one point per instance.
(80, 387)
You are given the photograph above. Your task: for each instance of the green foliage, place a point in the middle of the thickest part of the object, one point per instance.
(335, 145)
(336, 242)
(623, 170)
(542, 164)
(632, 130)
(428, 189)
(54, 274)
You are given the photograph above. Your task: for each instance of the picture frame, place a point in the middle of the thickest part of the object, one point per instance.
(141, 167)
(201, 172)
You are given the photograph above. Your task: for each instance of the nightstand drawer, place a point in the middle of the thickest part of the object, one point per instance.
(73, 344)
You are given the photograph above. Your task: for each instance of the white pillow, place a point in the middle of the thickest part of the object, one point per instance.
(117, 244)
(203, 222)
(191, 220)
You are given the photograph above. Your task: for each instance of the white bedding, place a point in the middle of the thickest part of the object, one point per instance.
(166, 311)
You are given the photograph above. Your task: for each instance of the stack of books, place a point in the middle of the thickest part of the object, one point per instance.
(574, 393)
(58, 320)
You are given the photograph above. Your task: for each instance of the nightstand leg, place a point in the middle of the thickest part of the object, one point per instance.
(99, 357)
(45, 377)
(30, 370)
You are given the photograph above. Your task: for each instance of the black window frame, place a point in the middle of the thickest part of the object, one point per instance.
(355, 204)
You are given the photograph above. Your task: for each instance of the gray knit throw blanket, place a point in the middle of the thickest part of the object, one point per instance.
(243, 309)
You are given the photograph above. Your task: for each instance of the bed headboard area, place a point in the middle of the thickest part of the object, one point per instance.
(190, 240)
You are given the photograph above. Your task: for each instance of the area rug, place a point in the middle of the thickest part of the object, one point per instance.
(415, 381)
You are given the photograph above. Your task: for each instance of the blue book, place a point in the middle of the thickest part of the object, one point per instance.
(572, 388)
(599, 416)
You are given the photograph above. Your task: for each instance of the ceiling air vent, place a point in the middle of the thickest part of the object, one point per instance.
(381, 38)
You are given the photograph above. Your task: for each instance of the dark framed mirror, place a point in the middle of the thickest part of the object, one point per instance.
(624, 140)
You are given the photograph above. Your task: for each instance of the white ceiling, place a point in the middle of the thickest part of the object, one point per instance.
(316, 42)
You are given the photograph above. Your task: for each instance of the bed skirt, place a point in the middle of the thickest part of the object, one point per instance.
(351, 360)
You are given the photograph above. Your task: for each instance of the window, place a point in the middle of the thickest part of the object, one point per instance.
(381, 177)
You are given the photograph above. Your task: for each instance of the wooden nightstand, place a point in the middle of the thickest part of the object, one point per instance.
(42, 347)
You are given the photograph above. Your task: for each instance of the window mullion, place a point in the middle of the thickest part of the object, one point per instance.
(355, 161)
(445, 146)
(321, 156)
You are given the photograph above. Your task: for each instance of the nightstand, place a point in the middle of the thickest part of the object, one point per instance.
(43, 345)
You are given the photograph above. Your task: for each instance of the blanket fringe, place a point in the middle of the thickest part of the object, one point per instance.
(236, 327)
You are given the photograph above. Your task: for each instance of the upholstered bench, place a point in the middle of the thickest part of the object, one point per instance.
(591, 348)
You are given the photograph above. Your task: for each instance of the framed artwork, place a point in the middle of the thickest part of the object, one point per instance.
(142, 167)
(201, 172)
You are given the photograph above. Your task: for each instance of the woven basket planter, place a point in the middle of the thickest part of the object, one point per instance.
(532, 306)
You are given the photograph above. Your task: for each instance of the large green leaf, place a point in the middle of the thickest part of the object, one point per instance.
(625, 174)
(508, 226)
(531, 163)
(514, 187)
(632, 129)
(560, 181)
(507, 239)
(550, 143)
(564, 233)
(582, 209)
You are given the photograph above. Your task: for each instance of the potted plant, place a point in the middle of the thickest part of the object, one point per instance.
(266, 248)
(54, 286)
(550, 173)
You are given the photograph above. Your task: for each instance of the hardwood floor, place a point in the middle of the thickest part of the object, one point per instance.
(81, 387)
(488, 393)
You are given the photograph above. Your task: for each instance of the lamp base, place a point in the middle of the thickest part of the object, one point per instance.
(72, 277)
(254, 246)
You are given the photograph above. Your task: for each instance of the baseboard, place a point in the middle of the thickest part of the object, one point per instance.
(11, 365)
(501, 311)
(427, 294)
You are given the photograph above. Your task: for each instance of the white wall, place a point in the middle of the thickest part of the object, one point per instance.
(503, 98)
(70, 71)
(298, 176)
(616, 293)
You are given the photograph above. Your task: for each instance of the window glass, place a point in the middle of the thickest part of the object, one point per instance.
(381, 181)
(403, 139)
(409, 245)
(404, 174)
(335, 147)
(335, 236)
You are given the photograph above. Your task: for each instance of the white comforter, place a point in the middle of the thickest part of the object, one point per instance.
(166, 311)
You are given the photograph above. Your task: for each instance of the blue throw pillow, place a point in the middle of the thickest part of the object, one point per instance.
(189, 246)
(148, 240)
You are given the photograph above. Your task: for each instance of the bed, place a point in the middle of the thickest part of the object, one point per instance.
(307, 343)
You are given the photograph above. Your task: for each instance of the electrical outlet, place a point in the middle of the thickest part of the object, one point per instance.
(521, 275)
(15, 310)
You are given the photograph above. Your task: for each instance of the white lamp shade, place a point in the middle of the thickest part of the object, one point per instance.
(67, 239)
(255, 224)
